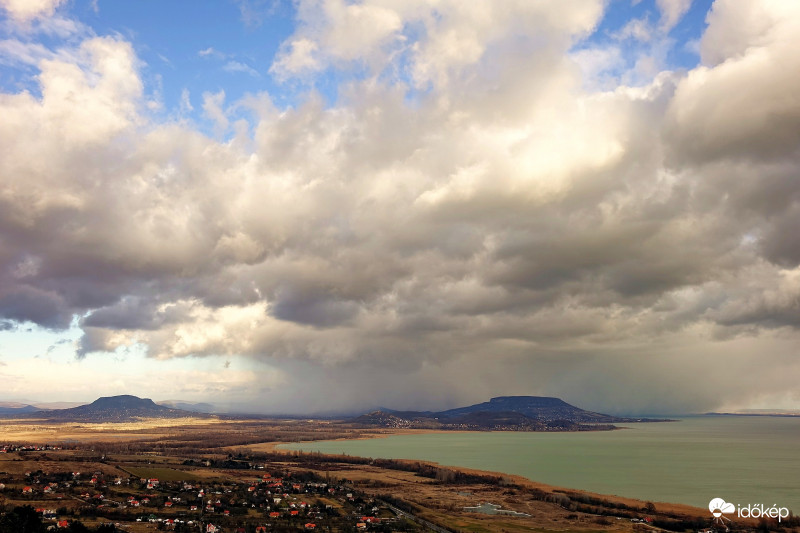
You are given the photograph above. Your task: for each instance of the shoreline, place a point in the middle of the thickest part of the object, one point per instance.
(662, 506)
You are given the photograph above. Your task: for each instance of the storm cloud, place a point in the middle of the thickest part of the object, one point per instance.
(471, 217)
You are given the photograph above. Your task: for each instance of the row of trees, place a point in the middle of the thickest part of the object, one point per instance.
(24, 519)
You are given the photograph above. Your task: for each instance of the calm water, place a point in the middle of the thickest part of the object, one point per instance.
(740, 459)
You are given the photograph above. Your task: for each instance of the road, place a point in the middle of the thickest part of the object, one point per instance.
(414, 518)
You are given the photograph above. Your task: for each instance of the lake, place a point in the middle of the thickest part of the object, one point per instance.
(744, 460)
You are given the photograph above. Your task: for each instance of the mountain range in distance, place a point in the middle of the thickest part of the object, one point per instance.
(60, 409)
(122, 408)
(516, 413)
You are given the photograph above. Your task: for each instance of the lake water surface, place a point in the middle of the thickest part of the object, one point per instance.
(744, 460)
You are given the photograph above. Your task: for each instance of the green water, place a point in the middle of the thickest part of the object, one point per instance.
(745, 460)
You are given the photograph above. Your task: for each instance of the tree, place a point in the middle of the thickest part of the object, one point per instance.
(77, 527)
(21, 520)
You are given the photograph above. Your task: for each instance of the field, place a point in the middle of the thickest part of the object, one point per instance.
(163, 474)
(238, 460)
(31, 430)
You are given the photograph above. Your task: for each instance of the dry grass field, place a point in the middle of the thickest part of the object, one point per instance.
(42, 431)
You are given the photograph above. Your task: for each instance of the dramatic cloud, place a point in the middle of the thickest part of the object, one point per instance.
(469, 218)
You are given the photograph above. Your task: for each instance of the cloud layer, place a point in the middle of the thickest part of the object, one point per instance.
(468, 219)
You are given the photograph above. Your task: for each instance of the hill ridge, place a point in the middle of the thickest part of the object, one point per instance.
(119, 408)
(520, 413)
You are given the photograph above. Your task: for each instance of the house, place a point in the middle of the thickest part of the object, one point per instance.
(62, 524)
(274, 514)
(310, 526)
(27, 490)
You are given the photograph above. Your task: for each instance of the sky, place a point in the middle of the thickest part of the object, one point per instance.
(317, 206)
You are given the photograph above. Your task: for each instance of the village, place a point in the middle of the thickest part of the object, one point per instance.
(246, 498)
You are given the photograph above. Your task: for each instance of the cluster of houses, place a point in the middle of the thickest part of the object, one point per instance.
(285, 500)
(10, 448)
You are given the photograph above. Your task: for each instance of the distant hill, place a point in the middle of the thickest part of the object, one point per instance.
(543, 408)
(124, 408)
(17, 409)
(520, 413)
(195, 407)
